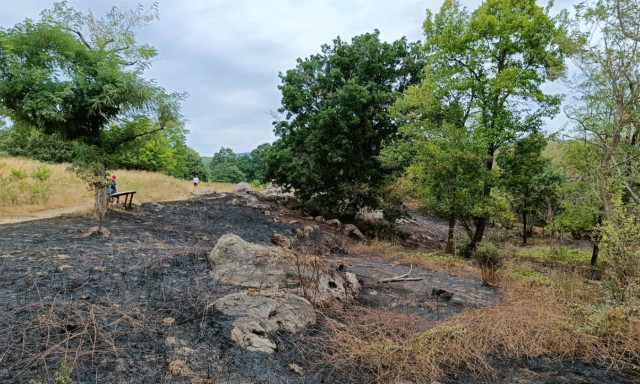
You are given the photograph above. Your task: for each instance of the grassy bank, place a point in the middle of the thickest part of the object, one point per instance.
(30, 186)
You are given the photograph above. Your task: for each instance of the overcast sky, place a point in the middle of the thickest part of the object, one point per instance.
(227, 54)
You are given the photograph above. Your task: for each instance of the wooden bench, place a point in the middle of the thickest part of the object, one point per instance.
(128, 198)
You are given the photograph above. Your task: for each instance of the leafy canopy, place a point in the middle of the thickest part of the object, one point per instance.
(336, 119)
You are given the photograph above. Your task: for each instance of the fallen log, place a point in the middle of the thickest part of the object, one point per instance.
(404, 277)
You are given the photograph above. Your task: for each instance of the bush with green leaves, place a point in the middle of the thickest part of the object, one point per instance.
(42, 173)
(488, 255)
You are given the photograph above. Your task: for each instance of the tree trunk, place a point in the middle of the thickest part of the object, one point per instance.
(595, 237)
(452, 227)
(101, 196)
(524, 228)
(481, 222)
(594, 253)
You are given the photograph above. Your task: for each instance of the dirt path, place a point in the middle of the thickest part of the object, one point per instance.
(43, 214)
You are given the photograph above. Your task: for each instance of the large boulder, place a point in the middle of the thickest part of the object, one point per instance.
(263, 312)
(235, 261)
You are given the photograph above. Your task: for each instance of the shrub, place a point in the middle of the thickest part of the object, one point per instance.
(42, 173)
(489, 258)
(19, 174)
(465, 250)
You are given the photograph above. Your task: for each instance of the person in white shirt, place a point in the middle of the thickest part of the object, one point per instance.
(195, 182)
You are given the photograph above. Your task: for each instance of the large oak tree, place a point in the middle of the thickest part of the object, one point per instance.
(336, 120)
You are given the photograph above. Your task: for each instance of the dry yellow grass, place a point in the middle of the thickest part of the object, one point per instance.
(550, 322)
(66, 190)
(551, 312)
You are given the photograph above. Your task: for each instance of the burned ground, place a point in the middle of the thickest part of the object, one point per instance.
(134, 307)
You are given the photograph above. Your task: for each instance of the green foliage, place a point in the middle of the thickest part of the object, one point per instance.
(63, 374)
(153, 152)
(495, 60)
(581, 206)
(442, 156)
(73, 74)
(192, 166)
(223, 167)
(556, 254)
(336, 120)
(465, 250)
(18, 174)
(25, 141)
(252, 165)
(533, 183)
(488, 256)
(42, 173)
(531, 277)
(621, 247)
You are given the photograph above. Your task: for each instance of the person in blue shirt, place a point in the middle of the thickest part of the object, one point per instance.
(112, 188)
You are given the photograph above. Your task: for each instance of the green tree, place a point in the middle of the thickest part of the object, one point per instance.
(440, 153)
(194, 166)
(223, 167)
(497, 57)
(251, 165)
(73, 74)
(336, 121)
(21, 140)
(523, 168)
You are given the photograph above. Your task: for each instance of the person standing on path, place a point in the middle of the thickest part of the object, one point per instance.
(196, 181)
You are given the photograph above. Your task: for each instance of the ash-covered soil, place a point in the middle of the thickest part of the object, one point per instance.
(134, 307)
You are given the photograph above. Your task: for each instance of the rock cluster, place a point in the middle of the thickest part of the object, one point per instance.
(267, 306)
(263, 312)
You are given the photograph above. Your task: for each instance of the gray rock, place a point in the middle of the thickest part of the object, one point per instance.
(352, 231)
(242, 187)
(335, 222)
(238, 262)
(264, 312)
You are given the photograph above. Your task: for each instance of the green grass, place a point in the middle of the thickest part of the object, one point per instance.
(555, 254)
(531, 277)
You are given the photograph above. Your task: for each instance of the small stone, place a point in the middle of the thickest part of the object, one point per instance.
(64, 267)
(319, 219)
(281, 241)
(296, 368)
(373, 292)
(180, 368)
(335, 222)
(168, 320)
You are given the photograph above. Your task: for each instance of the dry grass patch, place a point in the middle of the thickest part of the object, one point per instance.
(527, 323)
(63, 189)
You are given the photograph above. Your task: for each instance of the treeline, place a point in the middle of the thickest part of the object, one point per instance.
(164, 151)
(457, 122)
